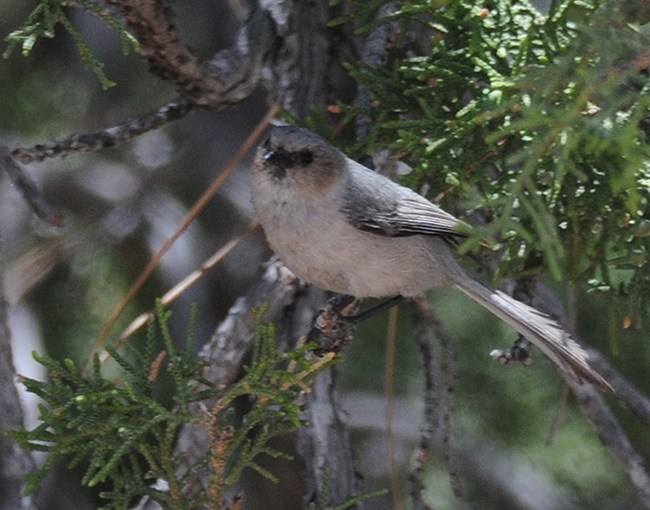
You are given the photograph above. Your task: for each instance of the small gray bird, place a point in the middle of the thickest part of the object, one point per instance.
(344, 228)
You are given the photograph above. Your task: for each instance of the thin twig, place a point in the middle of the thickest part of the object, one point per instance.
(391, 335)
(448, 367)
(28, 189)
(181, 287)
(227, 79)
(108, 137)
(198, 206)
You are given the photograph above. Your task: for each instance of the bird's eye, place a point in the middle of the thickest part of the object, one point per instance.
(267, 142)
(305, 157)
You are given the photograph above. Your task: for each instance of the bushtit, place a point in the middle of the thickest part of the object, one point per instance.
(347, 229)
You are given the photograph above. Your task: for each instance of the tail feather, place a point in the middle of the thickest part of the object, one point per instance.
(538, 328)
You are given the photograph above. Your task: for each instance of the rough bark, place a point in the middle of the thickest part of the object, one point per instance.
(14, 462)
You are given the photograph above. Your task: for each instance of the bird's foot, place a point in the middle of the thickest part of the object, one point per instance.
(517, 353)
(332, 328)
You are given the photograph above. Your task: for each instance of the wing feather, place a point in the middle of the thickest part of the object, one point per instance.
(376, 204)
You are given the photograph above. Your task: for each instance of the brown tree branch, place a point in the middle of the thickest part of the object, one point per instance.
(108, 137)
(27, 188)
(613, 437)
(224, 81)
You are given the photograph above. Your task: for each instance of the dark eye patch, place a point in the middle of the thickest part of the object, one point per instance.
(305, 157)
(286, 159)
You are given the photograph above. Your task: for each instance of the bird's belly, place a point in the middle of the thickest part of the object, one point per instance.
(346, 260)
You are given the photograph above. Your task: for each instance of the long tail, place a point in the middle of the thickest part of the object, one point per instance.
(540, 329)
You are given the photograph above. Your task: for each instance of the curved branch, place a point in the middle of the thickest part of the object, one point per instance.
(626, 393)
(28, 189)
(227, 79)
(108, 137)
(213, 84)
(613, 437)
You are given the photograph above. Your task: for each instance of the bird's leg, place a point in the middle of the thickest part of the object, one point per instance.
(376, 310)
(332, 328)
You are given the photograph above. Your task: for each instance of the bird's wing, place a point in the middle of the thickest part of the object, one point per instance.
(376, 204)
